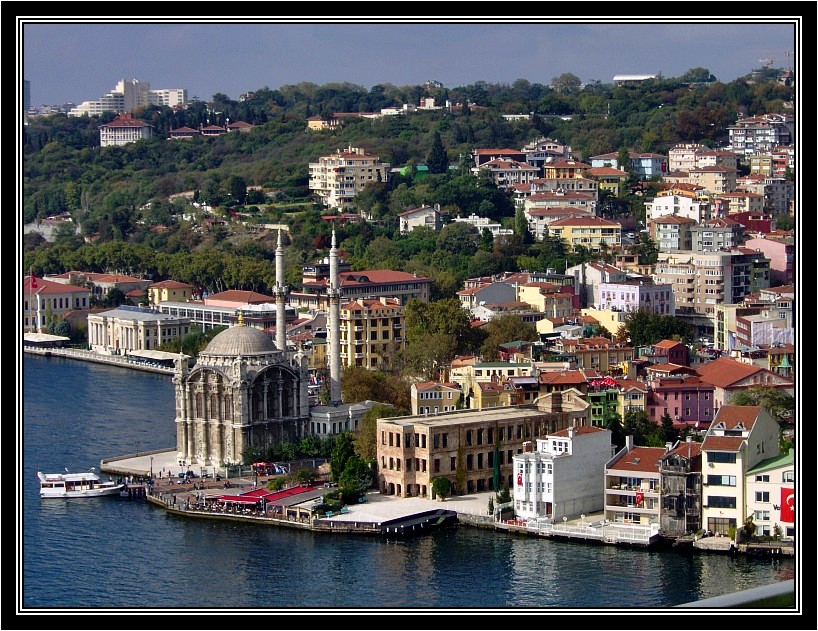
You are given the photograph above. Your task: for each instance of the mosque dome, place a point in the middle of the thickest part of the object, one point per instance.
(241, 340)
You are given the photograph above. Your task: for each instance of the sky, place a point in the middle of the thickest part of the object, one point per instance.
(69, 62)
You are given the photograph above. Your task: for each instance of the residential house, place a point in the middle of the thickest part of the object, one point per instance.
(668, 352)
(715, 180)
(362, 284)
(749, 136)
(46, 302)
(183, 133)
(739, 439)
(434, 397)
(738, 202)
(469, 375)
(672, 233)
(781, 253)
(489, 293)
(564, 169)
(730, 376)
(643, 165)
(539, 218)
(172, 290)
(424, 216)
(506, 173)
(482, 156)
(633, 490)
(596, 353)
(688, 400)
(484, 223)
(562, 477)
(688, 202)
(680, 474)
(588, 277)
(552, 300)
(636, 295)
(611, 180)
(770, 496)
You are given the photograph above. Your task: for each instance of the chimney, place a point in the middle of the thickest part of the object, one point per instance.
(571, 432)
(527, 447)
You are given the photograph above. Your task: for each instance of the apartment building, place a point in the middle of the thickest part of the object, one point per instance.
(372, 332)
(717, 234)
(505, 172)
(552, 300)
(691, 204)
(593, 233)
(729, 376)
(589, 276)
(637, 295)
(777, 193)
(644, 165)
(422, 217)
(758, 134)
(739, 439)
(770, 496)
(337, 178)
(680, 473)
(562, 476)
(714, 179)
(129, 95)
(687, 399)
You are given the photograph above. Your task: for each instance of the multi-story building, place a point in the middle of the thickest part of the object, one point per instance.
(737, 202)
(770, 496)
(539, 218)
(701, 281)
(759, 134)
(491, 293)
(434, 397)
(585, 185)
(672, 233)
(717, 234)
(680, 202)
(484, 223)
(684, 157)
(564, 169)
(739, 439)
(610, 179)
(129, 95)
(632, 396)
(482, 156)
(127, 329)
(688, 400)
(596, 353)
(123, 130)
(169, 290)
(562, 477)
(469, 375)
(463, 446)
(714, 179)
(644, 165)
(781, 252)
(46, 302)
(680, 473)
(542, 150)
(372, 332)
(588, 277)
(592, 233)
(505, 172)
(633, 490)
(100, 284)
(636, 296)
(777, 193)
(552, 300)
(730, 376)
(353, 285)
(337, 178)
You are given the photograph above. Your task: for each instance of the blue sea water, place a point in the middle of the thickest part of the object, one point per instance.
(114, 554)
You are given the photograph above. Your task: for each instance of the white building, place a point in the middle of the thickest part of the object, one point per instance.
(129, 95)
(126, 329)
(422, 217)
(337, 178)
(123, 130)
(484, 223)
(632, 485)
(564, 476)
(695, 206)
(636, 296)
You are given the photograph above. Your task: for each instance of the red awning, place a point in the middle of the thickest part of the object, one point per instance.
(238, 499)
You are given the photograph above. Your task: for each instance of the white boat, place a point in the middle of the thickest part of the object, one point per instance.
(86, 484)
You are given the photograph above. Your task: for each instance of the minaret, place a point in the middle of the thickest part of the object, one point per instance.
(280, 293)
(334, 294)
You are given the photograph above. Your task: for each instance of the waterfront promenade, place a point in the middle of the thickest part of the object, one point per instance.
(90, 356)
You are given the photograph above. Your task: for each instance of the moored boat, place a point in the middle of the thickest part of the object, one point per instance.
(85, 484)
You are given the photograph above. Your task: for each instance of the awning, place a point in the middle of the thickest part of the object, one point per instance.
(238, 499)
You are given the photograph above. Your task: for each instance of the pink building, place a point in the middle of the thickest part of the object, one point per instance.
(781, 253)
(687, 399)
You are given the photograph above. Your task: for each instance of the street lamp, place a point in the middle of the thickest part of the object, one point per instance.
(151, 467)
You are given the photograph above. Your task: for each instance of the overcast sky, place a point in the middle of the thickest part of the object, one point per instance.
(72, 62)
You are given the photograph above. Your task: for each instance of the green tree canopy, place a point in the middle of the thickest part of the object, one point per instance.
(503, 329)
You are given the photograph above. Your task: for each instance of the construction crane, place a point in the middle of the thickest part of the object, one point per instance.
(769, 57)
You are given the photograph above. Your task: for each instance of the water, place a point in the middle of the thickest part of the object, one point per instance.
(112, 553)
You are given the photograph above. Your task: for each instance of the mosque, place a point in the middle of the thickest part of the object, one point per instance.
(248, 391)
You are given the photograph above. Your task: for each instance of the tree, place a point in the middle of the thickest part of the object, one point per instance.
(777, 402)
(437, 160)
(366, 435)
(566, 83)
(503, 329)
(613, 423)
(669, 432)
(355, 479)
(343, 450)
(442, 487)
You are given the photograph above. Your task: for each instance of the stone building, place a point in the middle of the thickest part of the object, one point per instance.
(242, 393)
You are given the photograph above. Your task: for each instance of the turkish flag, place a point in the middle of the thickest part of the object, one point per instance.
(34, 282)
(640, 497)
(788, 505)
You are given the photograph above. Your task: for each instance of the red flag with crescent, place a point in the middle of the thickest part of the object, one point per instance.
(788, 505)
(34, 282)
(640, 497)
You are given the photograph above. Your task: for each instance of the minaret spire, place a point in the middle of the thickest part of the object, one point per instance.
(334, 295)
(280, 295)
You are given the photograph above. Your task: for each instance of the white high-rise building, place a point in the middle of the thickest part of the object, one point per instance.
(128, 95)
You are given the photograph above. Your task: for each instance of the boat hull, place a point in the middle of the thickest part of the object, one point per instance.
(98, 492)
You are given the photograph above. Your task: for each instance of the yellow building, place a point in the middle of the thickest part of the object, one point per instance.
(546, 297)
(590, 232)
(609, 179)
(169, 290)
(371, 332)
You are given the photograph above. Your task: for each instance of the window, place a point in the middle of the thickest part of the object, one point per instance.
(469, 462)
(719, 501)
(445, 440)
(788, 476)
(762, 478)
(721, 456)
(763, 496)
(468, 438)
(761, 515)
(436, 441)
(437, 465)
(721, 480)
(452, 463)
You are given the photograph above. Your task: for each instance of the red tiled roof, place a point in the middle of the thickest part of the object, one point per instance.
(170, 284)
(50, 287)
(734, 415)
(724, 371)
(241, 295)
(643, 459)
(591, 220)
(722, 443)
(582, 429)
